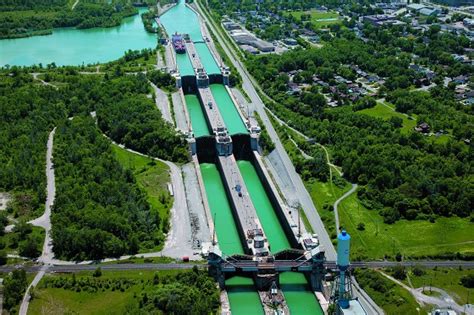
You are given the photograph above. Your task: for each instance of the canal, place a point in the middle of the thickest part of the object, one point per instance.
(242, 293)
(70, 46)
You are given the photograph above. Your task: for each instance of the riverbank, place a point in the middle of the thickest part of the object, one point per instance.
(71, 46)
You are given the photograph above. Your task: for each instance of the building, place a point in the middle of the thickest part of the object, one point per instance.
(423, 128)
(415, 7)
(230, 26)
(250, 49)
(429, 11)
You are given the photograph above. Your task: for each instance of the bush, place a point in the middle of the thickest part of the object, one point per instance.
(399, 273)
(97, 273)
(468, 281)
(361, 226)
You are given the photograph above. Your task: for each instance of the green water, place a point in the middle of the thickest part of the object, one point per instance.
(198, 121)
(70, 46)
(226, 229)
(207, 60)
(243, 296)
(273, 230)
(299, 297)
(228, 110)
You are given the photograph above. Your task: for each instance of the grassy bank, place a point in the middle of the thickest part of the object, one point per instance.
(413, 239)
(324, 195)
(153, 177)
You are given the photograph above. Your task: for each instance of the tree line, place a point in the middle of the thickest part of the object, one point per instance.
(19, 19)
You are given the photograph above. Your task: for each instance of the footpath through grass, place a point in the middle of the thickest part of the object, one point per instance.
(324, 195)
(153, 177)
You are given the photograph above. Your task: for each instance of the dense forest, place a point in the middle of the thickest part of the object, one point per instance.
(404, 175)
(130, 118)
(29, 110)
(40, 17)
(99, 211)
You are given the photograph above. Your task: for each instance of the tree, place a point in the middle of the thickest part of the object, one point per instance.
(3, 257)
(97, 273)
(418, 271)
(14, 286)
(30, 247)
(468, 281)
(399, 272)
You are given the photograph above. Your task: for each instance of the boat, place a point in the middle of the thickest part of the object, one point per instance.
(178, 43)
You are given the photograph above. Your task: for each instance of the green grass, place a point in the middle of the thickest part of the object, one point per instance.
(385, 113)
(413, 239)
(447, 279)
(395, 299)
(324, 195)
(61, 301)
(152, 176)
(318, 18)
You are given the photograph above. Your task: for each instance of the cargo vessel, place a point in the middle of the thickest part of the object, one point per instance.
(178, 43)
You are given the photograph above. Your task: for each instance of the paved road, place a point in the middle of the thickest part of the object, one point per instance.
(162, 103)
(425, 299)
(44, 221)
(300, 189)
(180, 113)
(336, 204)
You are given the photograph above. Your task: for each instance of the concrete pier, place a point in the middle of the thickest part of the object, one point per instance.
(247, 217)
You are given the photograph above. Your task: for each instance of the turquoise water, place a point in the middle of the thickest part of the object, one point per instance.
(69, 46)
(185, 66)
(207, 60)
(180, 19)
